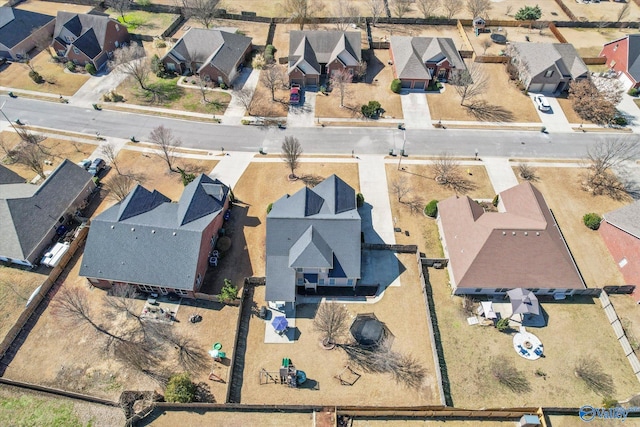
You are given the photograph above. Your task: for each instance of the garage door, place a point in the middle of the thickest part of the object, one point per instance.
(549, 87)
(406, 84)
(418, 85)
(311, 81)
(535, 87)
(296, 82)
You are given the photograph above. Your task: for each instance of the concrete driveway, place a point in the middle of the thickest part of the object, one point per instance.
(415, 110)
(630, 111)
(303, 114)
(554, 120)
(91, 92)
(248, 80)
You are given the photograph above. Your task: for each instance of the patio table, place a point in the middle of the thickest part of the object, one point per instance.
(528, 345)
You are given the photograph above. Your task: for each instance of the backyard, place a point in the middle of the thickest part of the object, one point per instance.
(589, 41)
(410, 332)
(513, 35)
(16, 286)
(57, 79)
(258, 31)
(382, 32)
(142, 22)
(562, 192)
(503, 101)
(51, 8)
(603, 11)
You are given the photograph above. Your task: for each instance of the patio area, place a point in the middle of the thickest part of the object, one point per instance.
(278, 332)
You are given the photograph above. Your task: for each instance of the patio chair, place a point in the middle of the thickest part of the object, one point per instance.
(523, 351)
(538, 351)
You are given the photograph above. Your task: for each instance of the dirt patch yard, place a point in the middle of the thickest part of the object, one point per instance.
(423, 230)
(411, 337)
(71, 358)
(258, 31)
(60, 149)
(569, 203)
(257, 197)
(382, 32)
(468, 351)
(603, 11)
(57, 79)
(589, 41)
(16, 286)
(50, 8)
(504, 102)
(376, 87)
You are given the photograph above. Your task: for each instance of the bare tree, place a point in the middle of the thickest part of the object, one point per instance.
(331, 321)
(203, 86)
(589, 370)
(244, 96)
(273, 77)
(29, 153)
(400, 187)
(401, 7)
(376, 7)
(470, 83)
(508, 375)
(189, 354)
(624, 11)
(428, 7)
(452, 7)
(120, 6)
(591, 104)
(478, 8)
(110, 152)
(168, 144)
(42, 40)
(291, 152)
(203, 11)
(486, 44)
(340, 80)
(346, 13)
(131, 61)
(447, 171)
(119, 187)
(300, 11)
(527, 172)
(600, 164)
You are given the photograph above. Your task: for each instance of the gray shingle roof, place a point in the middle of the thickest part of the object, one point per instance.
(538, 57)
(633, 63)
(28, 212)
(17, 24)
(90, 30)
(309, 49)
(317, 227)
(146, 239)
(627, 218)
(7, 176)
(412, 53)
(220, 48)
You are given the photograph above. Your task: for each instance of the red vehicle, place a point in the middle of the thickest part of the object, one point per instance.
(294, 94)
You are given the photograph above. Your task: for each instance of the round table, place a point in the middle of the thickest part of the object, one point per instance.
(527, 345)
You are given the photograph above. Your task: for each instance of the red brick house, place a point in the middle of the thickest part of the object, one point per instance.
(418, 60)
(19, 28)
(318, 54)
(623, 55)
(214, 55)
(87, 38)
(154, 244)
(620, 230)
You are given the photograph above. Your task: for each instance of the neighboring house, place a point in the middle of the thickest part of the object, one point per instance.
(87, 38)
(518, 247)
(31, 215)
(317, 54)
(547, 67)
(620, 230)
(313, 242)
(18, 30)
(215, 55)
(623, 55)
(418, 60)
(154, 244)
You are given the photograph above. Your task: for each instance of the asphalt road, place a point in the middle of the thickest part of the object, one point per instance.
(336, 140)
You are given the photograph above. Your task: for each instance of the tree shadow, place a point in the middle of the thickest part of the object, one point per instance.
(374, 67)
(311, 180)
(485, 112)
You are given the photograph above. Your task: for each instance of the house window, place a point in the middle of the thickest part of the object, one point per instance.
(552, 290)
(332, 281)
(299, 270)
(300, 281)
(76, 50)
(171, 66)
(199, 279)
(320, 282)
(478, 290)
(117, 27)
(549, 73)
(615, 47)
(612, 63)
(534, 290)
(350, 282)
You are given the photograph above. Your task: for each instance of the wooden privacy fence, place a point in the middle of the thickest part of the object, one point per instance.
(554, 30)
(404, 249)
(621, 336)
(566, 10)
(492, 59)
(44, 289)
(600, 60)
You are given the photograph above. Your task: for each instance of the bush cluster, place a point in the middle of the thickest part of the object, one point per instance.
(592, 220)
(396, 86)
(371, 110)
(359, 200)
(70, 66)
(36, 77)
(634, 91)
(180, 389)
(269, 50)
(431, 210)
(90, 68)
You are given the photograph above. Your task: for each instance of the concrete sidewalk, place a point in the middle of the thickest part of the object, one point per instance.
(500, 173)
(373, 185)
(231, 167)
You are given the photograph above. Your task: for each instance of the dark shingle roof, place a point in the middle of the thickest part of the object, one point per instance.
(7, 176)
(146, 239)
(309, 49)
(411, 53)
(27, 218)
(89, 31)
(18, 24)
(538, 57)
(633, 64)
(315, 228)
(626, 218)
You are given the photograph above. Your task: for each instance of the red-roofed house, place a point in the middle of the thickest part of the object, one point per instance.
(518, 247)
(623, 55)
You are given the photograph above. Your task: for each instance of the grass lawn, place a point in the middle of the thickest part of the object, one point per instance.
(504, 102)
(16, 286)
(57, 80)
(468, 352)
(409, 329)
(144, 23)
(569, 203)
(423, 230)
(376, 87)
(173, 96)
(263, 106)
(59, 148)
(258, 31)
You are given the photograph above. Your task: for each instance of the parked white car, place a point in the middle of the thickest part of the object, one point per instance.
(542, 103)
